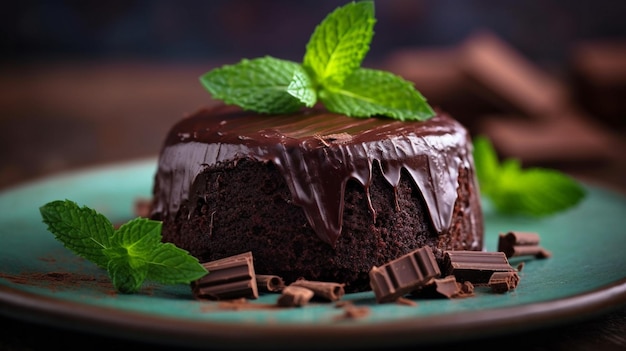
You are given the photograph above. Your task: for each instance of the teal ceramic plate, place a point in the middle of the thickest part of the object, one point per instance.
(42, 282)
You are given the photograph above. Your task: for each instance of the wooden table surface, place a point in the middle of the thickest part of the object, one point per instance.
(66, 116)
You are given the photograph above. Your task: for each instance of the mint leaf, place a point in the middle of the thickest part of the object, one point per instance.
(369, 92)
(340, 42)
(138, 236)
(169, 264)
(536, 192)
(80, 229)
(259, 84)
(131, 254)
(302, 88)
(330, 71)
(486, 163)
(127, 274)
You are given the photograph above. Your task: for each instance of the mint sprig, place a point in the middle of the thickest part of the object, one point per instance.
(131, 254)
(330, 73)
(533, 191)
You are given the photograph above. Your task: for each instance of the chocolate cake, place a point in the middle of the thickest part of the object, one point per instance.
(314, 194)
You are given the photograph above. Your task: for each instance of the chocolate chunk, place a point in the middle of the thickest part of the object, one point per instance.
(501, 282)
(521, 244)
(295, 296)
(403, 275)
(326, 290)
(466, 289)
(475, 266)
(228, 278)
(269, 283)
(446, 287)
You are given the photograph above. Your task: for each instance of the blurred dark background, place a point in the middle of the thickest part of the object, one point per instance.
(85, 82)
(195, 30)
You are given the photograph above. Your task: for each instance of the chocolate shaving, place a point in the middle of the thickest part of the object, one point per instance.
(339, 138)
(521, 244)
(269, 283)
(228, 278)
(403, 275)
(406, 302)
(326, 290)
(243, 304)
(295, 296)
(476, 267)
(350, 311)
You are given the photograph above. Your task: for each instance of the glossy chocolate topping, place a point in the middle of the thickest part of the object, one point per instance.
(317, 152)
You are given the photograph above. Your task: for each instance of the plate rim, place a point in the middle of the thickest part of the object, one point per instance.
(410, 330)
(466, 325)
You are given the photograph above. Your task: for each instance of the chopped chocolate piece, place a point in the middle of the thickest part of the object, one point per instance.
(295, 296)
(403, 275)
(269, 283)
(446, 287)
(228, 278)
(521, 244)
(501, 282)
(327, 290)
(466, 289)
(475, 266)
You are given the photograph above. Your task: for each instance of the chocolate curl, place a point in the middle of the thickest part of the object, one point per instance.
(269, 283)
(228, 278)
(295, 296)
(515, 244)
(327, 290)
(501, 282)
(476, 267)
(403, 275)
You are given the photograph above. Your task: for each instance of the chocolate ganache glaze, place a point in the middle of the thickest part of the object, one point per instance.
(317, 152)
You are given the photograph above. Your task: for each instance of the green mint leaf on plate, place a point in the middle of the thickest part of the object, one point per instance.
(169, 264)
(80, 229)
(368, 92)
(259, 84)
(536, 192)
(339, 44)
(131, 254)
(302, 88)
(127, 273)
(330, 71)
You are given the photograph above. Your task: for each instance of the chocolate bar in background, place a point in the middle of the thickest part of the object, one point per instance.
(597, 76)
(528, 113)
(476, 267)
(403, 275)
(521, 244)
(228, 278)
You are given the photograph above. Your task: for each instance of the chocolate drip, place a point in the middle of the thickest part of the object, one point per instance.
(318, 152)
